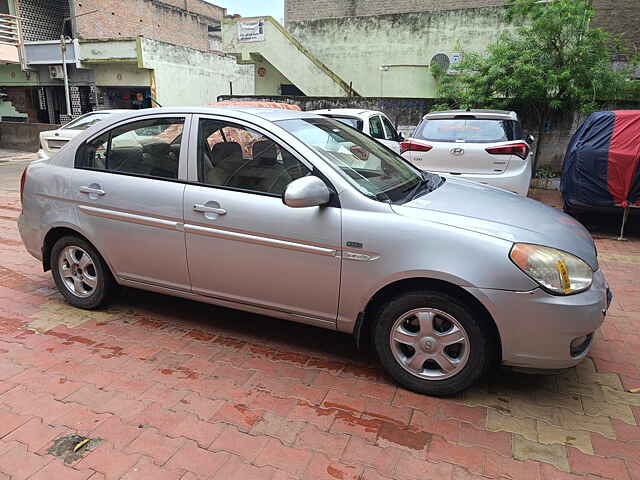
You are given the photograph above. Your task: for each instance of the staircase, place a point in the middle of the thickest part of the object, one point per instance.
(286, 54)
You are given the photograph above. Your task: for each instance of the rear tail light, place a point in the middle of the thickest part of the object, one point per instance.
(409, 146)
(23, 179)
(519, 149)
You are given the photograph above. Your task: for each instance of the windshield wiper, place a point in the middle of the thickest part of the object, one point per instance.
(429, 182)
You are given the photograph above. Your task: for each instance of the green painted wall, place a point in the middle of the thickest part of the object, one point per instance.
(121, 74)
(272, 79)
(97, 51)
(7, 110)
(355, 48)
(184, 76)
(11, 75)
(294, 60)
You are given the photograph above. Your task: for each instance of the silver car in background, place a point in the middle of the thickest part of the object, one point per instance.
(300, 217)
(484, 146)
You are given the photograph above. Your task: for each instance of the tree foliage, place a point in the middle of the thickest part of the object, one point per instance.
(552, 60)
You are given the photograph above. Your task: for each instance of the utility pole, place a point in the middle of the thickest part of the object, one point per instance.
(63, 50)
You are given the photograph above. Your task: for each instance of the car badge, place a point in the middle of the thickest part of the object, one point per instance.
(457, 151)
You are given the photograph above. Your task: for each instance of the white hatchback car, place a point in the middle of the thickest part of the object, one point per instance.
(485, 146)
(373, 123)
(52, 141)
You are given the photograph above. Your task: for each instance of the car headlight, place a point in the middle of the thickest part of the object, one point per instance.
(556, 271)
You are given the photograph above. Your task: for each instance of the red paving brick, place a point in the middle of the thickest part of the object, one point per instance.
(180, 390)
(197, 460)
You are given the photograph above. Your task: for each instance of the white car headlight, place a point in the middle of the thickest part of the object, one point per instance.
(556, 271)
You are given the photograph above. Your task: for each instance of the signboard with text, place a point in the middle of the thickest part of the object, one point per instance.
(251, 31)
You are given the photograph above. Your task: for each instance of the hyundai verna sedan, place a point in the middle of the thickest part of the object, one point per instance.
(301, 217)
(484, 146)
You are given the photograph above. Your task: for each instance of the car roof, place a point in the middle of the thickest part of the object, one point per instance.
(345, 112)
(478, 113)
(108, 111)
(270, 114)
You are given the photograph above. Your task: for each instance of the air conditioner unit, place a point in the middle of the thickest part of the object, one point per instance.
(56, 71)
(447, 61)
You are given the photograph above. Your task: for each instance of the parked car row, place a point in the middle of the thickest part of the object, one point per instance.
(484, 146)
(307, 218)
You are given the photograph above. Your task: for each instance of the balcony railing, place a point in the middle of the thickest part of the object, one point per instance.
(9, 29)
(11, 35)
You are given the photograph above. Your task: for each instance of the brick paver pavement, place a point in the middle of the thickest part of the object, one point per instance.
(181, 390)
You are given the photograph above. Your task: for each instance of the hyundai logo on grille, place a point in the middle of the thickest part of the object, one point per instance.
(457, 151)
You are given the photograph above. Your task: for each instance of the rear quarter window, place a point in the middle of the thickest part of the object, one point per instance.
(469, 130)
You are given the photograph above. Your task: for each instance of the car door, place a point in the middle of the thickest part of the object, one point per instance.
(391, 137)
(128, 186)
(377, 131)
(243, 243)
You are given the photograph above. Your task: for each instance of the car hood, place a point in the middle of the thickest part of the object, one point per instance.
(502, 214)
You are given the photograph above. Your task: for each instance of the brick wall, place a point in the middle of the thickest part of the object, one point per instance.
(620, 18)
(180, 22)
(300, 10)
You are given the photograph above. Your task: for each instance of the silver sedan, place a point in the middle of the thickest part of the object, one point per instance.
(297, 216)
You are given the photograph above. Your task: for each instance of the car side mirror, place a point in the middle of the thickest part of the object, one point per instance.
(400, 138)
(531, 139)
(306, 192)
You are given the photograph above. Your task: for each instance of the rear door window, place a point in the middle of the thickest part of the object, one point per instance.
(469, 130)
(145, 147)
(375, 127)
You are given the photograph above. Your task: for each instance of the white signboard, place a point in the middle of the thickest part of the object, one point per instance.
(251, 31)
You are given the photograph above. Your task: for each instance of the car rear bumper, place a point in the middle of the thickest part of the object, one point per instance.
(515, 181)
(536, 328)
(30, 237)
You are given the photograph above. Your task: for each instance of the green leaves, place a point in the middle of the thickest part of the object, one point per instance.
(553, 60)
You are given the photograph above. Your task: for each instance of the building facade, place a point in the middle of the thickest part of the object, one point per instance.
(386, 49)
(118, 54)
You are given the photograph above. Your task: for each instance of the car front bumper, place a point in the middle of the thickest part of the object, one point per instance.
(536, 328)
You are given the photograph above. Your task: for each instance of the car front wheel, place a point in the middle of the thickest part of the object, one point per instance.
(431, 342)
(80, 273)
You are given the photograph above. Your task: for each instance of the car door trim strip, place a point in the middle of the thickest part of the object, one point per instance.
(269, 242)
(131, 218)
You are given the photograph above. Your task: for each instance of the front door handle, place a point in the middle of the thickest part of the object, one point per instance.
(92, 190)
(207, 209)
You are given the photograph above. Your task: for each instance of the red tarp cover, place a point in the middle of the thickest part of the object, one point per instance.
(624, 154)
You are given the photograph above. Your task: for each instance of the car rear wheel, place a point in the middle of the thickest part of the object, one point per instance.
(431, 343)
(80, 273)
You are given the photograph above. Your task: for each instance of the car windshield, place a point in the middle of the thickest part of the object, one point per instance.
(374, 170)
(468, 130)
(85, 121)
(350, 121)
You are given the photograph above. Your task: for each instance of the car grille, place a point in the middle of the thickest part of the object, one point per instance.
(56, 144)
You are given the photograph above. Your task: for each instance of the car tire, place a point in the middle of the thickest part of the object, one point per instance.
(465, 360)
(80, 273)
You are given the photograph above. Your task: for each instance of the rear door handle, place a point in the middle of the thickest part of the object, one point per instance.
(206, 209)
(92, 190)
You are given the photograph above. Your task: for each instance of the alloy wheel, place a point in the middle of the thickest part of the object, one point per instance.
(429, 343)
(77, 271)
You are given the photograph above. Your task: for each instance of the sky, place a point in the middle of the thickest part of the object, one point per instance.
(253, 8)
